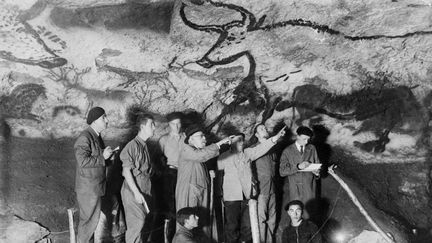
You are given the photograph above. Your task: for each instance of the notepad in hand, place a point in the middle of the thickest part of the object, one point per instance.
(312, 167)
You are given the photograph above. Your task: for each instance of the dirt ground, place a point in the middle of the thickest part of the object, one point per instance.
(40, 187)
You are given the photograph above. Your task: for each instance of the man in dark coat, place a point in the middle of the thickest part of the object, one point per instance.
(91, 154)
(299, 230)
(188, 220)
(298, 184)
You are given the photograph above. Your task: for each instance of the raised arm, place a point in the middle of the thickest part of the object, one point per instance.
(199, 155)
(256, 152)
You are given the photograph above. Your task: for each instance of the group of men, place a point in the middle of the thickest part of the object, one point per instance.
(248, 172)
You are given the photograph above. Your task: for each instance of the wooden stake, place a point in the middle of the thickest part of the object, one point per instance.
(166, 225)
(71, 226)
(358, 204)
(253, 215)
(213, 225)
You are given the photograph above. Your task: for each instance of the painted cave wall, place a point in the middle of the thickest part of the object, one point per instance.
(359, 71)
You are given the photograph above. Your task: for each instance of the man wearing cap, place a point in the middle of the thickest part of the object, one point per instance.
(91, 154)
(193, 179)
(170, 144)
(136, 189)
(237, 185)
(298, 185)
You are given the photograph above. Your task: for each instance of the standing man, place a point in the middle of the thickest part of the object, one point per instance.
(264, 171)
(170, 145)
(298, 185)
(193, 182)
(237, 185)
(299, 230)
(90, 180)
(136, 189)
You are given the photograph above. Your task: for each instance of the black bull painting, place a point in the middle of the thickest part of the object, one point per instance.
(381, 110)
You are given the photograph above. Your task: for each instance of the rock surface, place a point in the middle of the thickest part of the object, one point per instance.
(360, 69)
(17, 230)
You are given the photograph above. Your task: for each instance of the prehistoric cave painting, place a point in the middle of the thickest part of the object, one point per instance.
(71, 77)
(148, 87)
(69, 110)
(19, 103)
(152, 15)
(235, 32)
(21, 43)
(381, 109)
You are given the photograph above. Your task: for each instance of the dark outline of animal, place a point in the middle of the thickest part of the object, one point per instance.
(19, 103)
(247, 89)
(387, 104)
(21, 18)
(68, 109)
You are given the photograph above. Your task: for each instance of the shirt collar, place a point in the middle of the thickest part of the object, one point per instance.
(97, 133)
(298, 146)
(140, 140)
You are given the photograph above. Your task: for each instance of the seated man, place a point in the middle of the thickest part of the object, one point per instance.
(188, 220)
(299, 230)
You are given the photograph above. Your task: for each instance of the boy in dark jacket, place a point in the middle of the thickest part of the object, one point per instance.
(188, 220)
(299, 230)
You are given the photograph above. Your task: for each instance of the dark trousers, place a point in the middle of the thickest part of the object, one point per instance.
(237, 222)
(170, 186)
(89, 213)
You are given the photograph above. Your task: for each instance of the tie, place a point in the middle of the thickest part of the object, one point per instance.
(301, 149)
(101, 143)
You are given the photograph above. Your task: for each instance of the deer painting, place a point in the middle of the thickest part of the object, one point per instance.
(21, 43)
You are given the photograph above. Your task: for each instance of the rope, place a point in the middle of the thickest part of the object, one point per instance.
(331, 213)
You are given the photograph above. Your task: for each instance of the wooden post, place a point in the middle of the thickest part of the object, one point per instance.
(213, 225)
(358, 204)
(71, 226)
(253, 215)
(166, 225)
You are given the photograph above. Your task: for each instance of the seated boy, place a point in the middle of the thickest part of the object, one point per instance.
(299, 230)
(188, 220)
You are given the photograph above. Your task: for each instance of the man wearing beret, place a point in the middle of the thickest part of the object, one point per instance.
(193, 180)
(298, 185)
(91, 154)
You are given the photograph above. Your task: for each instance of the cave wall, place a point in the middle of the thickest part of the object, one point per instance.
(360, 69)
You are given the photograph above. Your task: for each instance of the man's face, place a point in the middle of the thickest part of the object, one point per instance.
(198, 140)
(148, 128)
(261, 132)
(302, 139)
(175, 126)
(101, 123)
(239, 143)
(192, 221)
(295, 213)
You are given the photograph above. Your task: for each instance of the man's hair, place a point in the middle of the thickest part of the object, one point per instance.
(302, 130)
(294, 202)
(256, 128)
(184, 214)
(143, 119)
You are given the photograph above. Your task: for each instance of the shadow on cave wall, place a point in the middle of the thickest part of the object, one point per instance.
(153, 16)
(5, 134)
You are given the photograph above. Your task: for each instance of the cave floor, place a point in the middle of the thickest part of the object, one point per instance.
(39, 176)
